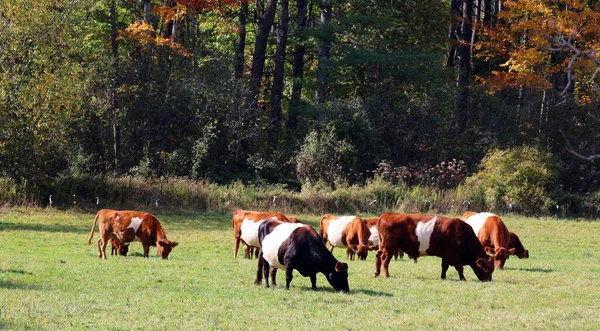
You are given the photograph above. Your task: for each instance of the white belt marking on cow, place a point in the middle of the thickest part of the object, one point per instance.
(135, 225)
(249, 231)
(423, 232)
(336, 228)
(478, 220)
(374, 237)
(272, 242)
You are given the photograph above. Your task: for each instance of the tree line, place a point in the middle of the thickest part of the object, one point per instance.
(294, 92)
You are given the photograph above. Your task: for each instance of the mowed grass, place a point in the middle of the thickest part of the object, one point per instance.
(51, 279)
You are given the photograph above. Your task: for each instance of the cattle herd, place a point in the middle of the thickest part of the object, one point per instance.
(479, 240)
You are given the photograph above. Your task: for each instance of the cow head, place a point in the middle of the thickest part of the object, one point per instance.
(339, 277)
(500, 254)
(483, 268)
(123, 249)
(165, 246)
(523, 255)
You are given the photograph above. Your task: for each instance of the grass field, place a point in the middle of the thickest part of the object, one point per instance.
(51, 279)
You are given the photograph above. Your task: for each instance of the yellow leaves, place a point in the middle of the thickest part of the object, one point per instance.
(144, 34)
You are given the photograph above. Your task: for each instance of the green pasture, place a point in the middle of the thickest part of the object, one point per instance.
(51, 279)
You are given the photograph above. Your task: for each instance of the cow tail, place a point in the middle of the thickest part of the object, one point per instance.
(93, 227)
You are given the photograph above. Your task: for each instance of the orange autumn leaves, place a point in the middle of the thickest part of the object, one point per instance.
(520, 43)
(147, 35)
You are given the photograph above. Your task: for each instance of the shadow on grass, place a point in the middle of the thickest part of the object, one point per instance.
(545, 270)
(8, 226)
(10, 285)
(352, 291)
(14, 285)
(17, 271)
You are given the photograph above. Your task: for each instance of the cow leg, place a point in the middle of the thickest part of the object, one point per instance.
(256, 249)
(99, 248)
(259, 269)
(102, 248)
(146, 250)
(385, 260)
(444, 269)
(247, 252)
(313, 281)
(273, 272)
(265, 270)
(236, 245)
(459, 268)
(377, 262)
(288, 275)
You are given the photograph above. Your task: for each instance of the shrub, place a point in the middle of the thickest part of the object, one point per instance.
(518, 178)
(323, 158)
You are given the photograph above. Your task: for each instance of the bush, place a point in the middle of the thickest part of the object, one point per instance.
(324, 158)
(518, 178)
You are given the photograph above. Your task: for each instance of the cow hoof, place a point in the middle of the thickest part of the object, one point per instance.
(375, 275)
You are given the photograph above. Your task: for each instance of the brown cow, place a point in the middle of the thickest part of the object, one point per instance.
(373, 239)
(118, 248)
(348, 232)
(130, 226)
(418, 235)
(245, 228)
(515, 243)
(492, 233)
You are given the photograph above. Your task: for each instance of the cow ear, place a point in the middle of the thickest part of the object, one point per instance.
(174, 243)
(489, 250)
(512, 251)
(339, 266)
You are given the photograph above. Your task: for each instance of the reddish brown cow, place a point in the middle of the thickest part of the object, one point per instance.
(130, 226)
(373, 239)
(348, 232)
(418, 235)
(515, 242)
(492, 233)
(118, 248)
(245, 228)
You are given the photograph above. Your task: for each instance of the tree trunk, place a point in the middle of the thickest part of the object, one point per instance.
(241, 44)
(278, 74)
(298, 67)
(454, 32)
(464, 70)
(114, 96)
(323, 66)
(265, 21)
(147, 11)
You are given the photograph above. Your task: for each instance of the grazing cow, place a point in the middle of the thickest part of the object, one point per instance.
(118, 248)
(130, 226)
(348, 232)
(245, 228)
(418, 235)
(515, 243)
(297, 246)
(493, 235)
(373, 239)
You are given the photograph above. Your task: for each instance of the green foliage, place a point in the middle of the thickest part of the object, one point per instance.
(519, 178)
(323, 158)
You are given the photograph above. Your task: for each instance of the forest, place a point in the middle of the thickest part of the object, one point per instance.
(490, 103)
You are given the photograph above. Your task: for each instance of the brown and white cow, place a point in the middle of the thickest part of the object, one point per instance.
(118, 248)
(130, 226)
(493, 235)
(347, 232)
(245, 228)
(419, 235)
(373, 239)
(297, 246)
(515, 242)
